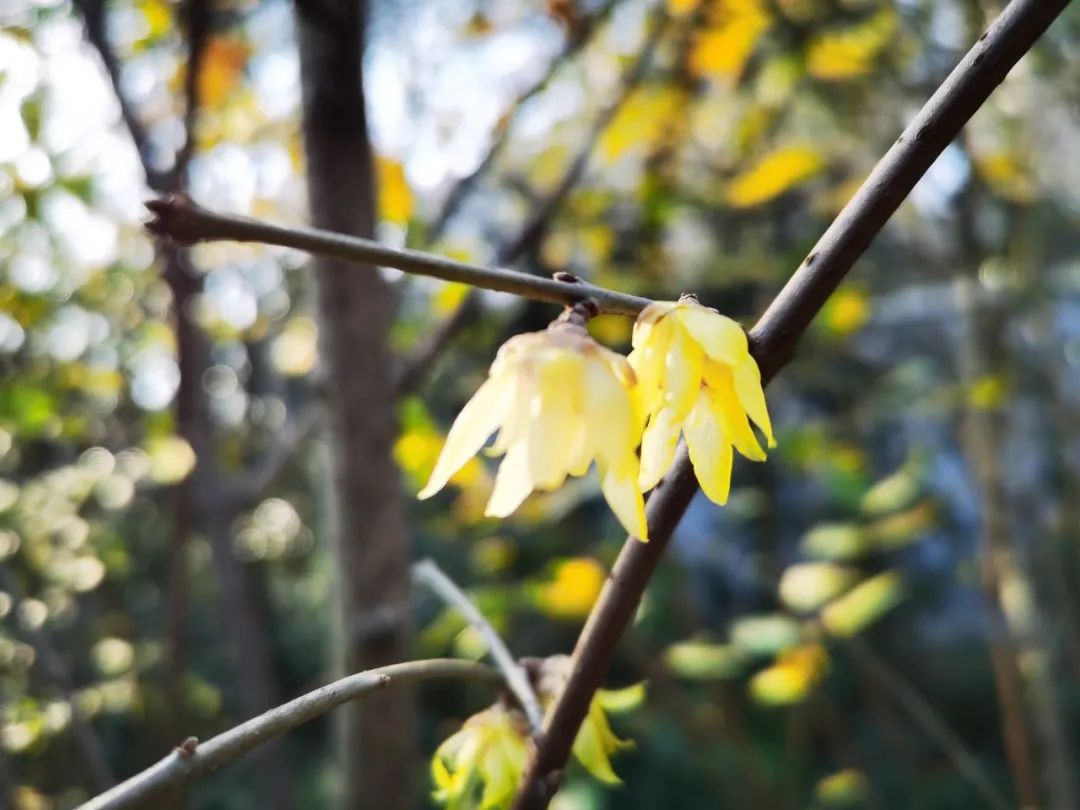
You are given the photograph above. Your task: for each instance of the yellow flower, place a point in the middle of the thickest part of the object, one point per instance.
(696, 375)
(487, 755)
(595, 742)
(559, 400)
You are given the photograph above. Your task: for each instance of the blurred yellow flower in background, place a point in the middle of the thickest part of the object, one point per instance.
(559, 401)
(696, 376)
(574, 589)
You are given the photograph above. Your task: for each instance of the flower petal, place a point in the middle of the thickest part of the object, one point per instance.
(721, 338)
(512, 483)
(733, 419)
(594, 745)
(552, 434)
(474, 425)
(623, 495)
(710, 450)
(658, 448)
(647, 318)
(609, 414)
(682, 371)
(747, 378)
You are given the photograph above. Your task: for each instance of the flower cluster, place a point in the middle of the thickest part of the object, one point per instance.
(560, 401)
(480, 765)
(697, 377)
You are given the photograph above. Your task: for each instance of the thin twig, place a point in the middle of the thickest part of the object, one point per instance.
(923, 713)
(192, 760)
(93, 14)
(773, 342)
(415, 367)
(428, 573)
(461, 189)
(185, 222)
(257, 480)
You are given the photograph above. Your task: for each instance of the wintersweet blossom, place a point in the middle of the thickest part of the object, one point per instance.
(486, 757)
(696, 376)
(559, 400)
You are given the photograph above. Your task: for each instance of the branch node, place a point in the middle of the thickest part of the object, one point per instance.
(566, 278)
(188, 748)
(177, 219)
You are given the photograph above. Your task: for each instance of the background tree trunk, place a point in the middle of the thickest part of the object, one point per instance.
(355, 311)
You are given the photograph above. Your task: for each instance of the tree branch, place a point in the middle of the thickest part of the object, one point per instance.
(460, 191)
(428, 573)
(192, 760)
(923, 713)
(773, 342)
(415, 367)
(185, 222)
(253, 483)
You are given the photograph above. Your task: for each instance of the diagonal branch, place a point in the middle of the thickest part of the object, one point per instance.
(415, 367)
(461, 189)
(773, 342)
(929, 720)
(93, 14)
(185, 222)
(192, 760)
(517, 680)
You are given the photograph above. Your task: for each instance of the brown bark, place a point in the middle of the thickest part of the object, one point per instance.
(355, 311)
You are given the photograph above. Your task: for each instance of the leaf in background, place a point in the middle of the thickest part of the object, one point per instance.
(793, 676)
(724, 48)
(849, 52)
(805, 587)
(775, 173)
(395, 196)
(640, 122)
(766, 634)
(841, 789)
(223, 62)
(699, 660)
(835, 541)
(863, 605)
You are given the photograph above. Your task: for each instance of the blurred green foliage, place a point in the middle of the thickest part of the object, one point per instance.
(936, 391)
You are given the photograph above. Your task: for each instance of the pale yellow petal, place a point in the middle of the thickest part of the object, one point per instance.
(623, 495)
(710, 451)
(518, 418)
(658, 448)
(648, 318)
(721, 338)
(474, 425)
(682, 371)
(581, 454)
(552, 433)
(609, 414)
(747, 380)
(512, 483)
(729, 409)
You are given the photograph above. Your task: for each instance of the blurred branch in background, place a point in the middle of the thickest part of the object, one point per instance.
(91, 752)
(773, 340)
(428, 573)
(577, 41)
(416, 366)
(193, 759)
(929, 720)
(198, 498)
